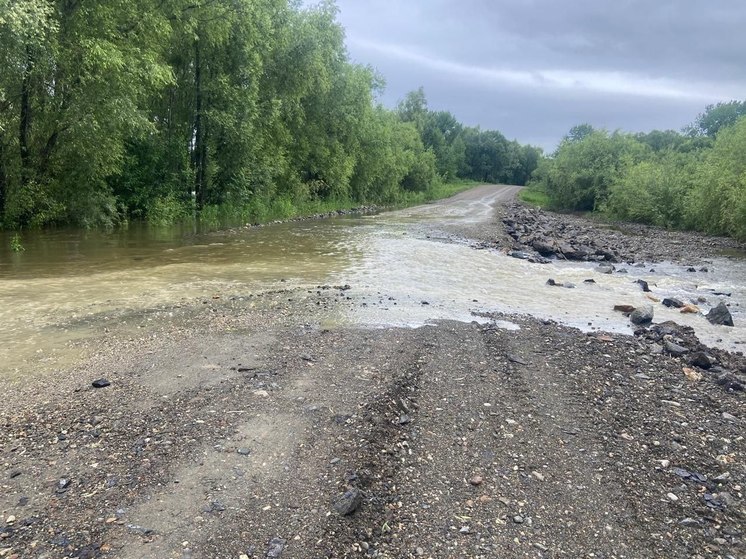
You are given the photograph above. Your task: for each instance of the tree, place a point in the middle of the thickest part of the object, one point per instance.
(716, 117)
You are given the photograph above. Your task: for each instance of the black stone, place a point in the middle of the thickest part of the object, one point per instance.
(720, 315)
(673, 303)
(100, 383)
(349, 502)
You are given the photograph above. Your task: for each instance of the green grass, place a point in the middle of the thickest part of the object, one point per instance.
(534, 197)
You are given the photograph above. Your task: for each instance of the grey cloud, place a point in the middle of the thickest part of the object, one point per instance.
(534, 68)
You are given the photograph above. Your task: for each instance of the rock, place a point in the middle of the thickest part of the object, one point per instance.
(720, 315)
(729, 381)
(624, 308)
(349, 502)
(672, 496)
(672, 303)
(589, 281)
(519, 254)
(674, 349)
(551, 282)
(543, 247)
(100, 383)
(568, 285)
(692, 375)
(605, 268)
(701, 360)
(691, 269)
(689, 309)
(729, 417)
(275, 548)
(518, 519)
(690, 522)
(644, 285)
(476, 481)
(243, 451)
(642, 315)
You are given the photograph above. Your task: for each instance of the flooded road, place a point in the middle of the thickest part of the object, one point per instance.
(404, 268)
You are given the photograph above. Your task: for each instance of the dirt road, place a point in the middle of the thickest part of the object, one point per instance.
(231, 427)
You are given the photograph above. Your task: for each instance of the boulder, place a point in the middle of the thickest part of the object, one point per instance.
(605, 268)
(543, 247)
(672, 303)
(720, 315)
(642, 315)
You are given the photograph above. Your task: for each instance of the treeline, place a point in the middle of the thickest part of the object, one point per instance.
(114, 109)
(694, 179)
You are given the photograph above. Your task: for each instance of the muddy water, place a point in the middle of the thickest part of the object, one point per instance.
(403, 272)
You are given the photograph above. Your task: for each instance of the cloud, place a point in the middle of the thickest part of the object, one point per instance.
(609, 82)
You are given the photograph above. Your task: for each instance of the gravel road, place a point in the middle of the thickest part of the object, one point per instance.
(244, 428)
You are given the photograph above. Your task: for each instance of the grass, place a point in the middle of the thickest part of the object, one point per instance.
(534, 197)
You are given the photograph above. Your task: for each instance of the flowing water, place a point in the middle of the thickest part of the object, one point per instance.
(398, 264)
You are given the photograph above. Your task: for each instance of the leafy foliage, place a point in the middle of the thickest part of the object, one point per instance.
(113, 110)
(662, 178)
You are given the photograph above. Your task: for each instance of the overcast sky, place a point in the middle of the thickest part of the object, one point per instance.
(534, 68)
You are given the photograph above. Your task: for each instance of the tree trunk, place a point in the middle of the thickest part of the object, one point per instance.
(3, 179)
(25, 122)
(200, 135)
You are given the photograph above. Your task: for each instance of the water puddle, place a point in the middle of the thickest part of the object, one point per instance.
(399, 277)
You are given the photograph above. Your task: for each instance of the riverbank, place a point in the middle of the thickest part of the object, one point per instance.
(231, 426)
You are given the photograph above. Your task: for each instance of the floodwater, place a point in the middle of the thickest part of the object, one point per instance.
(398, 263)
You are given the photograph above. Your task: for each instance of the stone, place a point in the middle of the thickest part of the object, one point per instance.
(275, 548)
(519, 254)
(674, 349)
(605, 268)
(349, 502)
(543, 247)
(672, 303)
(518, 519)
(720, 315)
(642, 315)
(100, 383)
(624, 308)
(476, 481)
(701, 360)
(689, 309)
(644, 285)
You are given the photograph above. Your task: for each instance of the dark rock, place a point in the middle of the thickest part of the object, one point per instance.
(701, 360)
(550, 281)
(720, 315)
(543, 247)
(644, 285)
(642, 315)
(349, 502)
(605, 268)
(275, 548)
(100, 383)
(589, 281)
(703, 269)
(674, 349)
(519, 254)
(243, 451)
(691, 270)
(672, 303)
